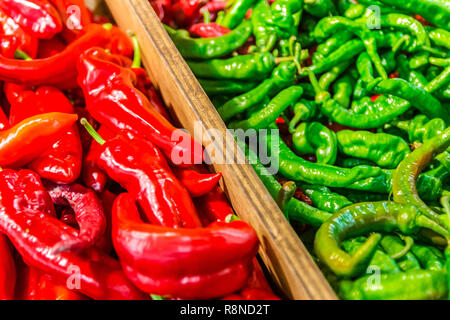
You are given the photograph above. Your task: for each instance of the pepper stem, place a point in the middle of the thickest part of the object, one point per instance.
(137, 58)
(107, 26)
(400, 42)
(156, 297)
(19, 54)
(90, 129)
(206, 17)
(409, 242)
(434, 51)
(314, 82)
(285, 195)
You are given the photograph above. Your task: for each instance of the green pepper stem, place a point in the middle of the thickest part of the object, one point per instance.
(137, 59)
(206, 17)
(156, 297)
(434, 51)
(286, 193)
(90, 129)
(107, 26)
(400, 42)
(19, 54)
(314, 82)
(425, 222)
(409, 242)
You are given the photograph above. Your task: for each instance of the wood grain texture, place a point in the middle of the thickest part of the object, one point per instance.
(285, 256)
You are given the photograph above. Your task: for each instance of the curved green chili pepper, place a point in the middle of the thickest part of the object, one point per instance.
(215, 87)
(419, 98)
(331, 44)
(405, 177)
(421, 128)
(209, 48)
(252, 67)
(410, 285)
(283, 76)
(286, 17)
(263, 118)
(359, 219)
(234, 16)
(263, 32)
(329, 77)
(295, 168)
(384, 149)
(442, 79)
(324, 199)
(439, 37)
(315, 138)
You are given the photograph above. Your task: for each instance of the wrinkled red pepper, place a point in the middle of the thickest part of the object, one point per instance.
(185, 263)
(4, 122)
(13, 37)
(7, 270)
(198, 184)
(88, 212)
(51, 47)
(139, 167)
(34, 234)
(38, 17)
(208, 30)
(113, 100)
(60, 69)
(63, 161)
(186, 12)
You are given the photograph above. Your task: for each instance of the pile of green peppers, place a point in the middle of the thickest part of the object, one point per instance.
(361, 99)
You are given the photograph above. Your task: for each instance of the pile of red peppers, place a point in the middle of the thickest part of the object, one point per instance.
(92, 204)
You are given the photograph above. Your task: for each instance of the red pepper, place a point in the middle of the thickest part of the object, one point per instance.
(214, 206)
(13, 37)
(139, 167)
(144, 84)
(60, 69)
(208, 30)
(93, 176)
(38, 17)
(196, 183)
(185, 263)
(4, 122)
(62, 162)
(186, 12)
(34, 234)
(51, 47)
(215, 6)
(88, 212)
(30, 138)
(113, 100)
(7, 270)
(68, 217)
(107, 198)
(162, 10)
(75, 16)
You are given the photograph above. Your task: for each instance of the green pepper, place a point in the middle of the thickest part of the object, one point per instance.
(215, 87)
(411, 285)
(295, 168)
(209, 48)
(342, 90)
(235, 15)
(439, 37)
(295, 209)
(265, 36)
(381, 262)
(406, 174)
(320, 8)
(329, 77)
(357, 220)
(246, 67)
(315, 138)
(381, 148)
(442, 79)
(331, 44)
(429, 257)
(421, 128)
(324, 199)
(263, 118)
(304, 110)
(286, 17)
(283, 76)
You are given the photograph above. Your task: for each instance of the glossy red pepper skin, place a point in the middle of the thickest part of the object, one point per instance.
(38, 17)
(93, 176)
(13, 37)
(62, 162)
(196, 183)
(60, 69)
(208, 30)
(214, 206)
(75, 17)
(108, 199)
(139, 167)
(162, 10)
(27, 140)
(185, 263)
(186, 12)
(34, 234)
(88, 212)
(7, 270)
(114, 101)
(4, 122)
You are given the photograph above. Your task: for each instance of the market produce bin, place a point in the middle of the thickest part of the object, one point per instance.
(285, 256)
